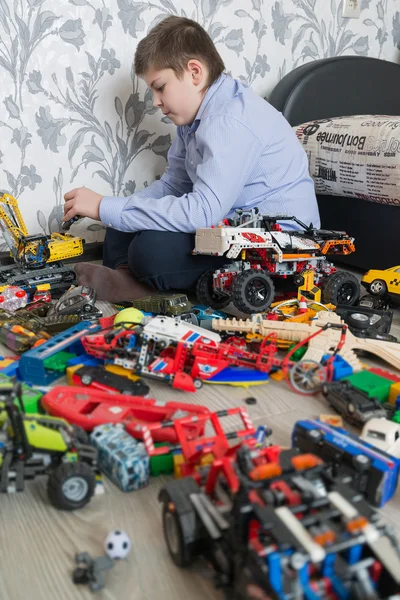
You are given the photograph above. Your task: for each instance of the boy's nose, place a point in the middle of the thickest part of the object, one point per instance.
(157, 101)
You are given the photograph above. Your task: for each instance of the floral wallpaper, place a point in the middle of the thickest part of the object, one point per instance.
(73, 112)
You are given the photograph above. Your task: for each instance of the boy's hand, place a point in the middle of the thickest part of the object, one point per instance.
(83, 202)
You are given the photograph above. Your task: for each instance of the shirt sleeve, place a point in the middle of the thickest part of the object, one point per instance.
(174, 182)
(228, 152)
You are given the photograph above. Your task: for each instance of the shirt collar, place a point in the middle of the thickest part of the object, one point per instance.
(206, 100)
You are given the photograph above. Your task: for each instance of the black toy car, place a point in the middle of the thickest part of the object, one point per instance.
(352, 404)
(367, 321)
(101, 379)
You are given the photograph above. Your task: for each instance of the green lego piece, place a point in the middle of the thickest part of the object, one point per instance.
(372, 384)
(58, 362)
(396, 416)
(30, 397)
(300, 352)
(162, 464)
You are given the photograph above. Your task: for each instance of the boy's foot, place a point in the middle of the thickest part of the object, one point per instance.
(112, 285)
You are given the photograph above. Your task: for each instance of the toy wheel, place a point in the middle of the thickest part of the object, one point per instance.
(71, 485)
(81, 435)
(378, 287)
(197, 383)
(307, 376)
(315, 435)
(358, 320)
(361, 462)
(351, 408)
(86, 379)
(178, 549)
(80, 575)
(205, 292)
(298, 280)
(252, 291)
(340, 288)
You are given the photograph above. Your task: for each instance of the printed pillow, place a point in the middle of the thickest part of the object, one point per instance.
(356, 156)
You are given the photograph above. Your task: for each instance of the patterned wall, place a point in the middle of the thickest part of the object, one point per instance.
(74, 114)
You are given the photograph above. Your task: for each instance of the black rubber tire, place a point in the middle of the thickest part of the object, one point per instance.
(382, 291)
(361, 463)
(81, 435)
(315, 435)
(341, 287)
(242, 291)
(205, 293)
(362, 322)
(181, 555)
(60, 476)
(298, 280)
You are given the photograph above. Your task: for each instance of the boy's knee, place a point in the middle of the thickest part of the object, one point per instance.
(141, 254)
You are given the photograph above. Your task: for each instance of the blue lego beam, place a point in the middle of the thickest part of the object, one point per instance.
(31, 364)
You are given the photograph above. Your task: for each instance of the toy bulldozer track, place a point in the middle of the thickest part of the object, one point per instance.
(59, 276)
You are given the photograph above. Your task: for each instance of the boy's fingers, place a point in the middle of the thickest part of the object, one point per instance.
(71, 194)
(70, 213)
(67, 206)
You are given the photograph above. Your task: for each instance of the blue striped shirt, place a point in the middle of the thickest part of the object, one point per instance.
(239, 152)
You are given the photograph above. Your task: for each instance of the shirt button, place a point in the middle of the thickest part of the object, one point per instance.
(191, 162)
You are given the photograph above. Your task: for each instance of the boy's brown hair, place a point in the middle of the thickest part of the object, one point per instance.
(172, 43)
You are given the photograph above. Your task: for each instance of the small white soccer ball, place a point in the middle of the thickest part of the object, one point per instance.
(117, 544)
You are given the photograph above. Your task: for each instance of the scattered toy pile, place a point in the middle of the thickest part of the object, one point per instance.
(295, 522)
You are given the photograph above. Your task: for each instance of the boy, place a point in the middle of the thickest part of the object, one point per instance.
(232, 150)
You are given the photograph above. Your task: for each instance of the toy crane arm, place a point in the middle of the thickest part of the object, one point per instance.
(12, 224)
(15, 220)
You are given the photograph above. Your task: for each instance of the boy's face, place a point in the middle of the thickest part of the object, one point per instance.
(179, 99)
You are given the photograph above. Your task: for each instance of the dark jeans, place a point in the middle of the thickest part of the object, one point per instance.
(161, 259)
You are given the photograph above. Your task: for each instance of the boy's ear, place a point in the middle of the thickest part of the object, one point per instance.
(196, 70)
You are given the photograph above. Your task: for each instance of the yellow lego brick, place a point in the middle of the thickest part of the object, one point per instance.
(394, 393)
(277, 375)
(6, 362)
(118, 370)
(207, 459)
(178, 460)
(71, 371)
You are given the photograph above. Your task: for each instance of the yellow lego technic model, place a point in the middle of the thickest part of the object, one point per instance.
(33, 251)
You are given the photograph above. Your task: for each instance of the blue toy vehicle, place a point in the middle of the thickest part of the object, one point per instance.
(350, 459)
(204, 315)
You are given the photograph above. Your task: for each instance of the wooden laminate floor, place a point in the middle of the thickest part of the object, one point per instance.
(38, 543)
